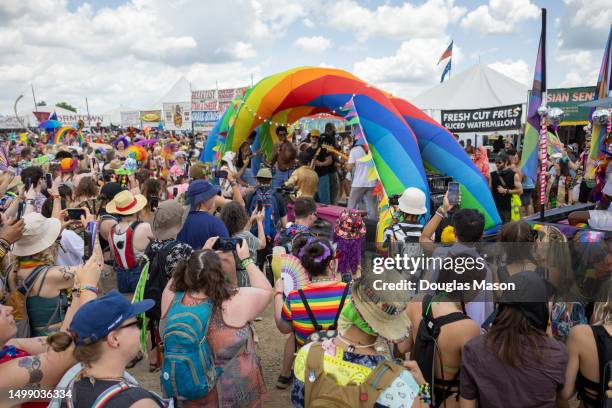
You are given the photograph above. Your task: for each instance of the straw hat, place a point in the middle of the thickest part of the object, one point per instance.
(39, 234)
(126, 203)
(264, 173)
(115, 164)
(382, 310)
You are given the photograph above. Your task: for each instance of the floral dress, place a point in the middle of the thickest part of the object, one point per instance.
(242, 383)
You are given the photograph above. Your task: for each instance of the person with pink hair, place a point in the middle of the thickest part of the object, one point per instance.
(481, 160)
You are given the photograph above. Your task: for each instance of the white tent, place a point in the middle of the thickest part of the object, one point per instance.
(477, 87)
(113, 116)
(180, 92)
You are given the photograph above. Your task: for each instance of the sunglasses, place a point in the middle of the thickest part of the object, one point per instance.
(137, 322)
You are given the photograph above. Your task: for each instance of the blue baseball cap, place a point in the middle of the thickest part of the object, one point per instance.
(200, 191)
(94, 320)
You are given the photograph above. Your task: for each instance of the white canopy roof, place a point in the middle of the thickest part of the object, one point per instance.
(180, 92)
(474, 88)
(114, 115)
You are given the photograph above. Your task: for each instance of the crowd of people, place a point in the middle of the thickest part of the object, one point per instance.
(193, 253)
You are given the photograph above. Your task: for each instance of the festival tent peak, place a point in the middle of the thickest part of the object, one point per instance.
(179, 92)
(402, 140)
(477, 87)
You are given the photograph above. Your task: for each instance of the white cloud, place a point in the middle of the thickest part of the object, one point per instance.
(500, 16)
(517, 70)
(410, 70)
(313, 44)
(308, 23)
(581, 68)
(408, 21)
(584, 24)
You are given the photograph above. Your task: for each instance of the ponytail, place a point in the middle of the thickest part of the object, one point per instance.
(60, 341)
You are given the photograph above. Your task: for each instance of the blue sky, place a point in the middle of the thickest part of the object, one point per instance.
(131, 52)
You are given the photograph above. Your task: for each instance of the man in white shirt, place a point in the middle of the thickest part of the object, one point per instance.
(361, 187)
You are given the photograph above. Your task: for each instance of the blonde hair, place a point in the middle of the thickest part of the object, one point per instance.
(558, 256)
(602, 313)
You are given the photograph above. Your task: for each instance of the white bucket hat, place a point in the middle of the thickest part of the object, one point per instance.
(39, 234)
(413, 201)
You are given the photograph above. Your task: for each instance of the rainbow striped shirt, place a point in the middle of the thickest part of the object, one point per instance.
(323, 300)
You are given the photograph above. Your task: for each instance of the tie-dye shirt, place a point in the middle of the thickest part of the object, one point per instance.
(323, 300)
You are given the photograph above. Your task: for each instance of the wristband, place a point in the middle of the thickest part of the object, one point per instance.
(4, 244)
(89, 288)
(246, 262)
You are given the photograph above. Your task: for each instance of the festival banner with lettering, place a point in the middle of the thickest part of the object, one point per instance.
(150, 117)
(483, 120)
(177, 116)
(208, 105)
(569, 99)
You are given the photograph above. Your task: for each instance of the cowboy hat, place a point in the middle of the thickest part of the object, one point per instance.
(126, 203)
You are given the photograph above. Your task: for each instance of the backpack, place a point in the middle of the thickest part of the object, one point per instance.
(18, 301)
(322, 391)
(320, 334)
(270, 206)
(156, 277)
(188, 370)
(425, 344)
(123, 248)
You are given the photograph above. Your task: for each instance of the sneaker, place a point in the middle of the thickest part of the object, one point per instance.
(283, 382)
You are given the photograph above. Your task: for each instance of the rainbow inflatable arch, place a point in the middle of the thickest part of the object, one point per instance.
(66, 132)
(403, 140)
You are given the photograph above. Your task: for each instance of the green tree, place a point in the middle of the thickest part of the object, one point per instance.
(41, 103)
(66, 106)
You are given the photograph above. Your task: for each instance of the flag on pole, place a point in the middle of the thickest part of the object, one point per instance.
(446, 54)
(529, 157)
(446, 70)
(604, 89)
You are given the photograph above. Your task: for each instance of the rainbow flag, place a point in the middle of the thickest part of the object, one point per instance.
(529, 157)
(604, 87)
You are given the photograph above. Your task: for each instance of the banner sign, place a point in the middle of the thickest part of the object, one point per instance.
(130, 118)
(483, 120)
(10, 122)
(72, 119)
(203, 95)
(208, 105)
(568, 100)
(205, 105)
(150, 116)
(177, 116)
(205, 116)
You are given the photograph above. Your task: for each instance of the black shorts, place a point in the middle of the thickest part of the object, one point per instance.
(526, 196)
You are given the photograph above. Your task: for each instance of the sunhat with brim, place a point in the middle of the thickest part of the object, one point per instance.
(168, 220)
(264, 173)
(15, 182)
(382, 310)
(413, 201)
(126, 203)
(115, 164)
(39, 234)
(200, 191)
(96, 319)
(68, 165)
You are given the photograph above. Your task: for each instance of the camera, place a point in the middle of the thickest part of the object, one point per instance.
(285, 190)
(227, 244)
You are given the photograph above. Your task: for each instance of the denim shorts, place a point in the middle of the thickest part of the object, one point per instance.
(127, 279)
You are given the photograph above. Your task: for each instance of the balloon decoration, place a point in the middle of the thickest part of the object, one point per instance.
(139, 152)
(402, 140)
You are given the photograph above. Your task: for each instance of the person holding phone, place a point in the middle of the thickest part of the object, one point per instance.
(402, 236)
